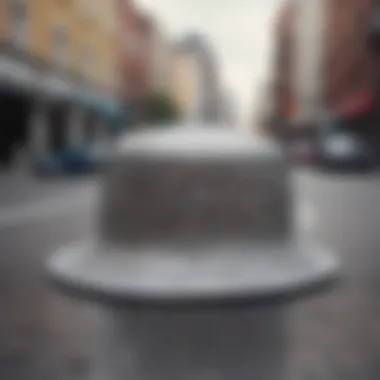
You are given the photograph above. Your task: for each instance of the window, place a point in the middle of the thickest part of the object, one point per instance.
(60, 46)
(19, 22)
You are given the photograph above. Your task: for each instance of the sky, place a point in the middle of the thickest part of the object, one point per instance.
(240, 32)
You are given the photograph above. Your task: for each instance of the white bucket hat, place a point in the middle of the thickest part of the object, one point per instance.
(194, 216)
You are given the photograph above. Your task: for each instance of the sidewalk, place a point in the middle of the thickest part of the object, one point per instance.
(18, 186)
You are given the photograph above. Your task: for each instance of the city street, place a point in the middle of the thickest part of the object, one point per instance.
(334, 336)
(19, 187)
(35, 220)
(337, 335)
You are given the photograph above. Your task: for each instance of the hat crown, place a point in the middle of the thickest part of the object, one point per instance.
(195, 186)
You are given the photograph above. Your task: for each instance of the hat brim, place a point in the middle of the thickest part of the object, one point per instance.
(239, 277)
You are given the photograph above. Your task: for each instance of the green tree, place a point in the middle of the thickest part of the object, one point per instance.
(160, 108)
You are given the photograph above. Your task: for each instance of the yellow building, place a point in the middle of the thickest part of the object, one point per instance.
(196, 84)
(58, 63)
(184, 84)
(97, 49)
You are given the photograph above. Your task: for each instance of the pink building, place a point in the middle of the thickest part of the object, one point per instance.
(322, 58)
(137, 32)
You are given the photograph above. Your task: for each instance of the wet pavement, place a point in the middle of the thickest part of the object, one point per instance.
(333, 336)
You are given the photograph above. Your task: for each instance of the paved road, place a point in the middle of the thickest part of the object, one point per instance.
(34, 343)
(18, 187)
(334, 336)
(337, 335)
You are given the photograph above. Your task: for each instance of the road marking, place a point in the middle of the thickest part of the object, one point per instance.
(40, 210)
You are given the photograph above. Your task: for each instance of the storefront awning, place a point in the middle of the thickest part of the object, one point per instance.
(18, 74)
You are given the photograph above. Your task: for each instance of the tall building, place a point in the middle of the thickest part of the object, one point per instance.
(162, 56)
(282, 87)
(138, 31)
(227, 108)
(309, 39)
(350, 67)
(322, 57)
(185, 88)
(58, 74)
(196, 86)
(263, 108)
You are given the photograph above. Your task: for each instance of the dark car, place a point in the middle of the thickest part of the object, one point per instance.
(345, 151)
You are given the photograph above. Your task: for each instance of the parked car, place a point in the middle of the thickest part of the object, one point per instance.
(342, 150)
(74, 161)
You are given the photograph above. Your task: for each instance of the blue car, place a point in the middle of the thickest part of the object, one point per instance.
(69, 161)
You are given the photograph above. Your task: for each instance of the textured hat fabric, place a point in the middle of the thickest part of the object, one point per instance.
(194, 215)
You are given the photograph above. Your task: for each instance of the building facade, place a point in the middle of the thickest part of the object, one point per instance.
(196, 86)
(263, 108)
(310, 42)
(350, 67)
(184, 89)
(58, 74)
(162, 57)
(227, 108)
(138, 31)
(323, 58)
